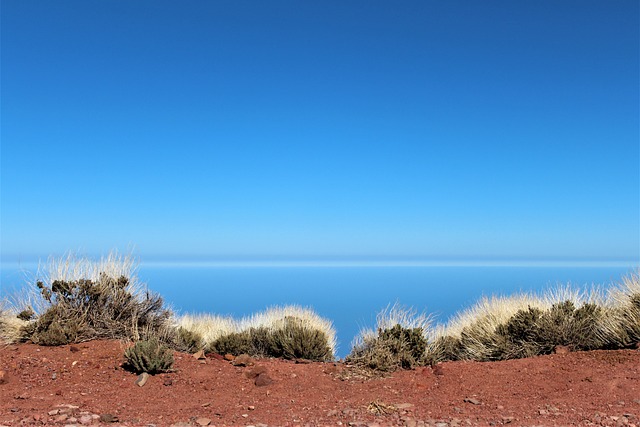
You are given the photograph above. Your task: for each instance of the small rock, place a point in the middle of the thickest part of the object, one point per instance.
(543, 412)
(245, 415)
(254, 372)
(203, 421)
(263, 380)
(242, 360)
(142, 379)
(86, 420)
(54, 376)
(199, 355)
(3, 377)
(472, 401)
(61, 418)
(109, 418)
(507, 420)
(54, 412)
(437, 369)
(73, 349)
(229, 357)
(561, 349)
(332, 413)
(167, 382)
(251, 407)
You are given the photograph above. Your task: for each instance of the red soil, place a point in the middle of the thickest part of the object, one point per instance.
(583, 388)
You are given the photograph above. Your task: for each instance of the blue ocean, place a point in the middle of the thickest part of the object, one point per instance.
(350, 296)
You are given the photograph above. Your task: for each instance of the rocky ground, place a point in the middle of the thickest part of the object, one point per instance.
(85, 384)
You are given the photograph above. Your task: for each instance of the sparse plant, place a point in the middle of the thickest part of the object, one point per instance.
(400, 342)
(626, 311)
(99, 305)
(186, 340)
(149, 356)
(287, 332)
(234, 343)
(291, 338)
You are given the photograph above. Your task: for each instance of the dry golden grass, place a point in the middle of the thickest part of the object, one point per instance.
(211, 327)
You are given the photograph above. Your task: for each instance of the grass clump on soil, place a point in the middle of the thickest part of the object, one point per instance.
(82, 299)
(528, 325)
(399, 343)
(11, 324)
(150, 356)
(289, 332)
(626, 312)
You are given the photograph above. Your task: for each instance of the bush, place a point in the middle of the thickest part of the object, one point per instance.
(399, 343)
(235, 343)
(149, 356)
(394, 348)
(186, 340)
(290, 338)
(98, 306)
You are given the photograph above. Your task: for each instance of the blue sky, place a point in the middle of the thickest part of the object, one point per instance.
(333, 129)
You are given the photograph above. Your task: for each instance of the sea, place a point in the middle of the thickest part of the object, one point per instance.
(348, 295)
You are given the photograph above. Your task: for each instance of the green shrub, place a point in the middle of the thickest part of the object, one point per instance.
(443, 348)
(392, 348)
(292, 339)
(149, 356)
(186, 340)
(234, 343)
(534, 331)
(289, 338)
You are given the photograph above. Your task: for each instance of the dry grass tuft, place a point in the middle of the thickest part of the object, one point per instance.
(400, 341)
(290, 332)
(83, 299)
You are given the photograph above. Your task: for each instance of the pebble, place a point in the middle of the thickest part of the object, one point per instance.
(142, 379)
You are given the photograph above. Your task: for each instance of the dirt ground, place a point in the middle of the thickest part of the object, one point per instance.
(85, 384)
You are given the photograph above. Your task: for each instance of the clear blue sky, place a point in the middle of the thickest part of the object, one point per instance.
(321, 129)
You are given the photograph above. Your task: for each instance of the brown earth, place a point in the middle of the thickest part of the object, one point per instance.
(85, 384)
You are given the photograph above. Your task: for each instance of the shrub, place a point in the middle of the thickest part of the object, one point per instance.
(290, 339)
(235, 343)
(99, 305)
(626, 311)
(400, 342)
(289, 332)
(186, 340)
(149, 356)
(397, 347)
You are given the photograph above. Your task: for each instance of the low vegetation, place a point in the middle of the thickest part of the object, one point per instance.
(289, 332)
(78, 299)
(81, 299)
(500, 328)
(400, 341)
(150, 356)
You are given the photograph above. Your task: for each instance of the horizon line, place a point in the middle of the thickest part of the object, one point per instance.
(360, 263)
